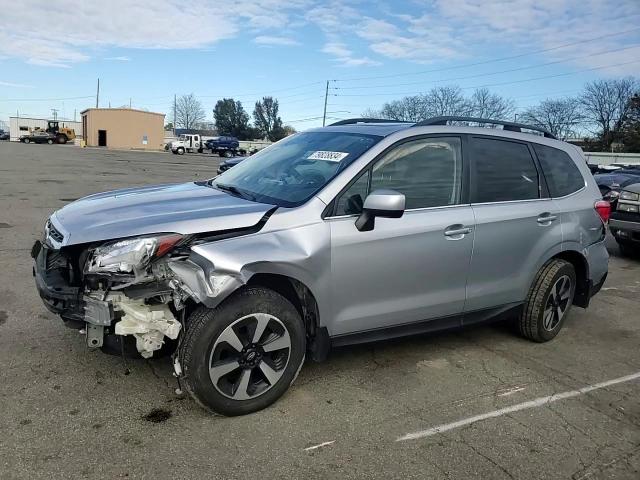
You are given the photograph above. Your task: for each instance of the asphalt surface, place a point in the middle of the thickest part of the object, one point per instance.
(68, 412)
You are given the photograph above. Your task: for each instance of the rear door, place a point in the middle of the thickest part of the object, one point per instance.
(411, 268)
(517, 223)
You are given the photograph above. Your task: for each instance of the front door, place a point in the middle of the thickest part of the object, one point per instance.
(102, 138)
(406, 269)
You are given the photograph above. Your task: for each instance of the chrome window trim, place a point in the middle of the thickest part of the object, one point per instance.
(546, 199)
(410, 210)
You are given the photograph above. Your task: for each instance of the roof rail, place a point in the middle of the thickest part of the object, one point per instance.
(510, 126)
(350, 121)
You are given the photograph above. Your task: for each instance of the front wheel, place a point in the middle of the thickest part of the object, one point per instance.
(243, 355)
(228, 154)
(549, 301)
(180, 151)
(26, 140)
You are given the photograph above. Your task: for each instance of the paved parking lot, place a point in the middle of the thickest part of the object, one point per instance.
(400, 409)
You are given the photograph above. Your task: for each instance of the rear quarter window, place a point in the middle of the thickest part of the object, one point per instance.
(562, 175)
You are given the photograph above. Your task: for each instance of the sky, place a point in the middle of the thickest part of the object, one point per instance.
(145, 52)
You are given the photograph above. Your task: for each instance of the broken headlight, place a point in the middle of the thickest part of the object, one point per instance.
(126, 256)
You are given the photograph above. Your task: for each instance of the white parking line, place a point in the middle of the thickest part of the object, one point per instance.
(323, 444)
(538, 402)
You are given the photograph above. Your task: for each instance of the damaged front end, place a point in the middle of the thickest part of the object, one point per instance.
(137, 287)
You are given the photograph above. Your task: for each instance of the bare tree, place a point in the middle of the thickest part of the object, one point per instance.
(447, 100)
(606, 104)
(560, 117)
(189, 112)
(485, 104)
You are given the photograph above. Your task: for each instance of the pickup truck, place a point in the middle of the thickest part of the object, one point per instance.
(225, 146)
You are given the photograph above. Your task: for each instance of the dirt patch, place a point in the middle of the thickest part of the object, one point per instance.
(5, 225)
(3, 317)
(67, 199)
(158, 415)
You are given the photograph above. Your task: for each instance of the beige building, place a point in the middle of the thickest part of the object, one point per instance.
(123, 128)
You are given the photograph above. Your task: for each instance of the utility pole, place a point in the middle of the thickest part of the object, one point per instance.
(175, 97)
(326, 95)
(74, 114)
(98, 94)
(54, 112)
(129, 102)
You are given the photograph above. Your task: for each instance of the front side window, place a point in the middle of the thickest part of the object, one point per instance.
(561, 173)
(427, 171)
(294, 169)
(503, 171)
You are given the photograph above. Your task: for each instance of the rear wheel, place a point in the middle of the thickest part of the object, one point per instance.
(228, 154)
(243, 355)
(549, 301)
(26, 140)
(50, 141)
(62, 139)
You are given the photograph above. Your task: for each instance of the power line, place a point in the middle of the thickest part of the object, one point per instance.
(485, 62)
(517, 69)
(495, 84)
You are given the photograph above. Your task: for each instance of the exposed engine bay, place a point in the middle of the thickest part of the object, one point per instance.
(137, 287)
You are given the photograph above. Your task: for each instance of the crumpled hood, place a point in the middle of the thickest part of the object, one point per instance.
(184, 208)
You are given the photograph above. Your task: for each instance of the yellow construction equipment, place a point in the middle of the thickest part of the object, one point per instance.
(63, 134)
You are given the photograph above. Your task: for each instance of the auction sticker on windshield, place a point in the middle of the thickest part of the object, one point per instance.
(328, 156)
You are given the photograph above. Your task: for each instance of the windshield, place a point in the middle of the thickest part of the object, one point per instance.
(291, 171)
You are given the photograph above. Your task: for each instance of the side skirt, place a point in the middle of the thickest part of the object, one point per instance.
(503, 312)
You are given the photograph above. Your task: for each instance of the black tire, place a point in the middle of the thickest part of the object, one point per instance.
(26, 140)
(228, 154)
(50, 141)
(62, 139)
(534, 321)
(204, 330)
(200, 150)
(180, 151)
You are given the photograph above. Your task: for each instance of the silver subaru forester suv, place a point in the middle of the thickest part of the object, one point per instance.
(360, 231)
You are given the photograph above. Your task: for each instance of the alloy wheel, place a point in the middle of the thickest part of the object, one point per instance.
(249, 356)
(558, 303)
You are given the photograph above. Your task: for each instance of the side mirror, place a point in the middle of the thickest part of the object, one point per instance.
(380, 203)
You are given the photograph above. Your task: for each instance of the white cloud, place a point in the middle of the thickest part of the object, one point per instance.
(15, 85)
(275, 40)
(70, 32)
(119, 59)
(345, 57)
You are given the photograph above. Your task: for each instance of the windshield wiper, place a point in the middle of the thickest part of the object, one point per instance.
(235, 190)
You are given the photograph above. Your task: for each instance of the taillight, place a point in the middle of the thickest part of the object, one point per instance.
(604, 210)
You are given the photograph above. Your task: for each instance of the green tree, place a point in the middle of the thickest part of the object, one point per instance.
(267, 120)
(231, 119)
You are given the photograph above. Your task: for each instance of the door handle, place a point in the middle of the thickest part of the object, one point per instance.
(457, 231)
(546, 218)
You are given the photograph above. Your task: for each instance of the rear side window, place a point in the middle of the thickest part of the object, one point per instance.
(503, 171)
(561, 173)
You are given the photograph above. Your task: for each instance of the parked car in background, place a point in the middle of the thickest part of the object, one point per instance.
(610, 184)
(360, 231)
(228, 163)
(224, 146)
(4, 135)
(39, 136)
(625, 219)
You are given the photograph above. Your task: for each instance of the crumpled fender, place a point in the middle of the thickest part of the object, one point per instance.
(217, 269)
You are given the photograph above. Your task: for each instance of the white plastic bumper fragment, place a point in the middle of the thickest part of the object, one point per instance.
(148, 323)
